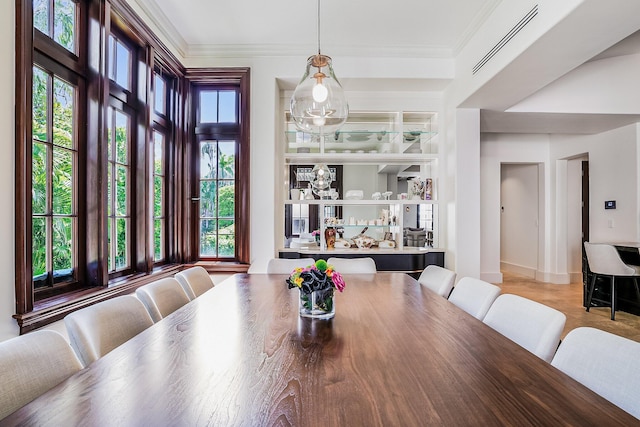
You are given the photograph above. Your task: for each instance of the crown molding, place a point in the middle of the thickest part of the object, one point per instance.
(266, 50)
(162, 24)
(477, 22)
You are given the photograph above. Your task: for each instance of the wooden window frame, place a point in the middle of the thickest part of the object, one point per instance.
(93, 281)
(219, 79)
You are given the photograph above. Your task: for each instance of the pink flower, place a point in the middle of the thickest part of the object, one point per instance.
(338, 281)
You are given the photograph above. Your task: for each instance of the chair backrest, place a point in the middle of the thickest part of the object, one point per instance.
(438, 279)
(96, 330)
(605, 363)
(286, 266)
(162, 297)
(532, 325)
(474, 296)
(195, 281)
(605, 259)
(364, 265)
(30, 365)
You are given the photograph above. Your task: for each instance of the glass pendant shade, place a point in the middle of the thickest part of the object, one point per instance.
(318, 104)
(321, 178)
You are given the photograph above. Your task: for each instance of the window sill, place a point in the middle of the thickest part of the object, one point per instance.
(56, 308)
(221, 266)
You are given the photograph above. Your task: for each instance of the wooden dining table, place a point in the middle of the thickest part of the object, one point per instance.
(395, 354)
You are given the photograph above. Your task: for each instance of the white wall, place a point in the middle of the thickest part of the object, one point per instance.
(613, 165)
(498, 149)
(613, 175)
(8, 326)
(466, 227)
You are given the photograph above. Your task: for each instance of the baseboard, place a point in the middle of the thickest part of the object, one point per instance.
(576, 277)
(518, 269)
(491, 277)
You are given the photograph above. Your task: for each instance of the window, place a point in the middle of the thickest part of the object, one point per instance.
(217, 199)
(159, 196)
(221, 218)
(159, 95)
(104, 170)
(118, 190)
(119, 62)
(54, 180)
(58, 20)
(217, 172)
(162, 191)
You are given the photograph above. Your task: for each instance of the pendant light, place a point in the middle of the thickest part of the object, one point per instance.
(318, 104)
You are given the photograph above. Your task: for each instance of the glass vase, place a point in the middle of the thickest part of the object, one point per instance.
(317, 304)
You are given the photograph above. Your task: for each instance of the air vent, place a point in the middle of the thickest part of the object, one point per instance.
(506, 39)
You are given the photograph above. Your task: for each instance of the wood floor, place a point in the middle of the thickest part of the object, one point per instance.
(568, 299)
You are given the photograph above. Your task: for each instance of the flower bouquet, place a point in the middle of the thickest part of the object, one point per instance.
(316, 284)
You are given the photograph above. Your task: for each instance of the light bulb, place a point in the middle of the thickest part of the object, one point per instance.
(319, 92)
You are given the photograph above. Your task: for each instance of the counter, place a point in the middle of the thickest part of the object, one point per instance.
(407, 260)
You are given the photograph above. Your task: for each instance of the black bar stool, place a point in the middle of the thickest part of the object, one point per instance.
(604, 260)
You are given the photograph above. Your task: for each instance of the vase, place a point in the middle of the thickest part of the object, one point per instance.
(330, 237)
(317, 304)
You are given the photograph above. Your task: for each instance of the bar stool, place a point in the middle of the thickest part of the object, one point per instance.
(604, 260)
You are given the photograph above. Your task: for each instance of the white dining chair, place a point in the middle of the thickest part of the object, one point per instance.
(605, 363)
(604, 260)
(532, 325)
(286, 266)
(195, 281)
(30, 365)
(363, 265)
(162, 297)
(96, 330)
(438, 279)
(474, 296)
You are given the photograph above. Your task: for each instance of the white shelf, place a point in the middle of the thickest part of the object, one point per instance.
(374, 250)
(340, 202)
(359, 158)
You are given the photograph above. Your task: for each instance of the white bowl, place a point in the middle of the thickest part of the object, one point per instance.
(354, 195)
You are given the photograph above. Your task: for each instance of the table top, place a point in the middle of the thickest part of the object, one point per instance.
(395, 354)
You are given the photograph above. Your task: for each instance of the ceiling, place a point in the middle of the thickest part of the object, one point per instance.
(434, 28)
(411, 28)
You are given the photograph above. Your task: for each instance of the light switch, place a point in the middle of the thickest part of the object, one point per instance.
(610, 223)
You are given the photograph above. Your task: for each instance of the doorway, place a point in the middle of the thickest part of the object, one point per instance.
(519, 218)
(577, 215)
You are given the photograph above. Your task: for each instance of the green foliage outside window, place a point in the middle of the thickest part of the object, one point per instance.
(64, 21)
(217, 199)
(52, 174)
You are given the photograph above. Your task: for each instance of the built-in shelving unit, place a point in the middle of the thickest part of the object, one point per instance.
(375, 153)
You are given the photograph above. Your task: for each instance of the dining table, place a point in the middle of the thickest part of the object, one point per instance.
(394, 354)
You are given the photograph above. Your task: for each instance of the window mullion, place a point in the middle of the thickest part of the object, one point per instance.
(49, 182)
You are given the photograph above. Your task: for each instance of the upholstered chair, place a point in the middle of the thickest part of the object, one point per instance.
(30, 365)
(474, 296)
(532, 325)
(286, 266)
(96, 330)
(364, 265)
(438, 279)
(604, 362)
(162, 297)
(195, 281)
